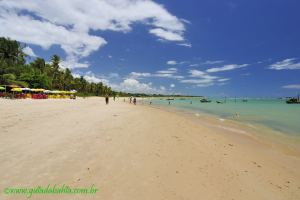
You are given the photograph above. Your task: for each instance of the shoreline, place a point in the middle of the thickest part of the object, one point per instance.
(136, 152)
(286, 143)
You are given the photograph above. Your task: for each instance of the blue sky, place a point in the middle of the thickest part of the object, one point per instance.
(204, 47)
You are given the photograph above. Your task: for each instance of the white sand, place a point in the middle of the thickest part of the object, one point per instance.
(135, 153)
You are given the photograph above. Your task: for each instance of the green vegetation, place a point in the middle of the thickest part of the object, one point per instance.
(39, 74)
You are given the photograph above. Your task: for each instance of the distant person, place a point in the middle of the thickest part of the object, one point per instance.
(237, 115)
(130, 99)
(150, 102)
(134, 101)
(169, 102)
(114, 97)
(124, 99)
(191, 102)
(106, 99)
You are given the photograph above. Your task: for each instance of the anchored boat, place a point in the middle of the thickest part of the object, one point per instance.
(205, 101)
(293, 100)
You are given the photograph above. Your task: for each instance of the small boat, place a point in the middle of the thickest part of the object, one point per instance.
(219, 102)
(293, 100)
(205, 101)
(245, 100)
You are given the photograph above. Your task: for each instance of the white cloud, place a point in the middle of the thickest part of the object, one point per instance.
(205, 84)
(172, 85)
(295, 86)
(162, 88)
(213, 62)
(226, 68)
(28, 51)
(72, 63)
(224, 79)
(168, 73)
(167, 35)
(200, 74)
(189, 45)
(92, 78)
(168, 76)
(286, 64)
(69, 23)
(172, 62)
(185, 21)
(203, 79)
(137, 75)
(197, 81)
(95, 78)
(134, 86)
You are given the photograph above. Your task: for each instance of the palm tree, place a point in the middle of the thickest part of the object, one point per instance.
(55, 60)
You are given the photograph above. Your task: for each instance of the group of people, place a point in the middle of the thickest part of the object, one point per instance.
(131, 100)
(134, 100)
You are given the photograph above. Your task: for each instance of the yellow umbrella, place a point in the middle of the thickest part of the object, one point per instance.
(16, 90)
(37, 90)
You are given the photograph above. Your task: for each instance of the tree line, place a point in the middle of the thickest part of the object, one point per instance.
(39, 74)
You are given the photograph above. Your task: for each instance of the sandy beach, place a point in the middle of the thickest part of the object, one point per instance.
(135, 152)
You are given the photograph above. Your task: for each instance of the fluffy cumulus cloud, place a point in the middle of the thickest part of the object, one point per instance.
(93, 78)
(289, 63)
(226, 68)
(69, 23)
(118, 83)
(295, 86)
(28, 51)
(135, 86)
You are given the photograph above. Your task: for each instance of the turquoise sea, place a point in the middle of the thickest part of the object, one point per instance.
(273, 113)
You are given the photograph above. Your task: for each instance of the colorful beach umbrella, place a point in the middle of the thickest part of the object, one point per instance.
(26, 89)
(47, 91)
(37, 90)
(16, 90)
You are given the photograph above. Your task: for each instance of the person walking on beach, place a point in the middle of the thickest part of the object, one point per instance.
(130, 99)
(106, 99)
(134, 101)
(114, 97)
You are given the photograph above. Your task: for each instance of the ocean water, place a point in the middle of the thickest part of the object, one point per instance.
(272, 113)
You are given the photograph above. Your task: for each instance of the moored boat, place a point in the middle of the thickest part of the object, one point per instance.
(293, 101)
(205, 101)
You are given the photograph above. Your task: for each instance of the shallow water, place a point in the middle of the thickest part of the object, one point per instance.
(273, 113)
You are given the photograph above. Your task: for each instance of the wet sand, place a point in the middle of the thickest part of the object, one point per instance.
(135, 152)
